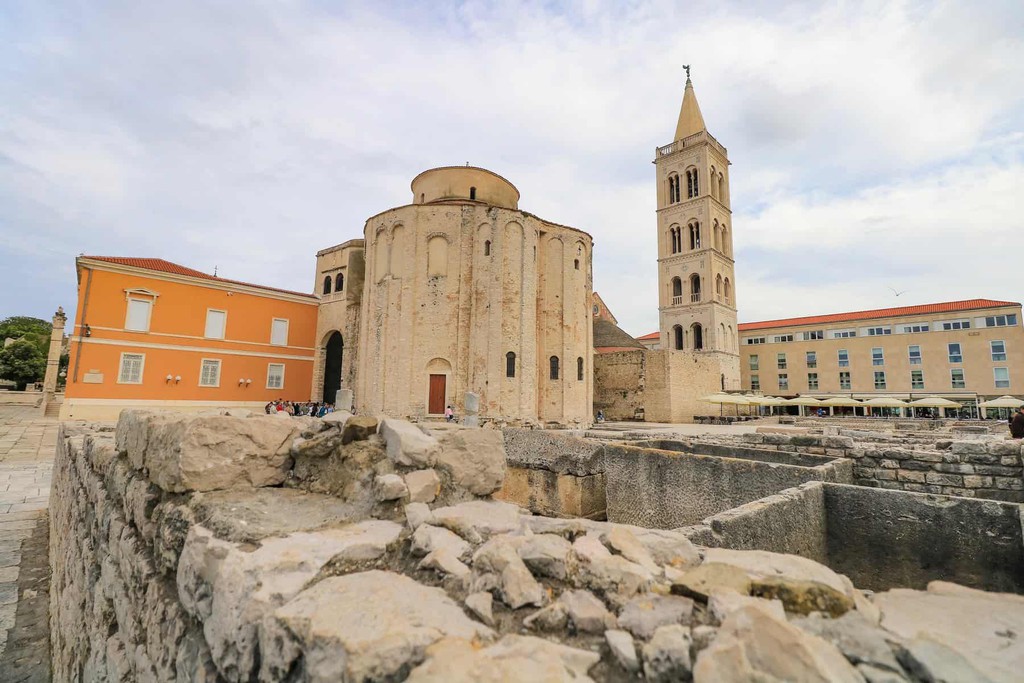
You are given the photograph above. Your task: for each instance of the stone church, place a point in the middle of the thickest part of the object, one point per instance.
(456, 298)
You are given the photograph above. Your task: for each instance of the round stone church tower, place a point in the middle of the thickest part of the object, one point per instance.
(466, 293)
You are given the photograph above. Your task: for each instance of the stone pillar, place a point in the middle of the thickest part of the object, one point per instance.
(53, 359)
(472, 405)
(343, 400)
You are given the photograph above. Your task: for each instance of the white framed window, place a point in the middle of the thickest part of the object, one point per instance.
(844, 358)
(843, 334)
(131, 368)
(1001, 320)
(955, 355)
(216, 322)
(137, 316)
(279, 332)
(755, 383)
(880, 379)
(781, 361)
(956, 325)
(754, 362)
(812, 359)
(877, 356)
(998, 350)
(914, 353)
(209, 373)
(779, 338)
(956, 376)
(275, 376)
(844, 380)
(783, 382)
(754, 340)
(916, 327)
(879, 331)
(812, 381)
(815, 334)
(917, 379)
(1002, 376)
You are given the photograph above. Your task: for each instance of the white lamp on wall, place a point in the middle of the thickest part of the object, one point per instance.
(248, 382)
(169, 378)
(241, 381)
(177, 379)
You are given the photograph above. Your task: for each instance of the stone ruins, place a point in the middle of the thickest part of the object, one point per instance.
(231, 547)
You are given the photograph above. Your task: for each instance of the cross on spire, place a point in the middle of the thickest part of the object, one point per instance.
(687, 67)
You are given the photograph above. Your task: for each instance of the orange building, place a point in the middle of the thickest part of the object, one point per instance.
(152, 333)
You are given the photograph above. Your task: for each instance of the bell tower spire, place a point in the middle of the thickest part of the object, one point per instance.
(696, 276)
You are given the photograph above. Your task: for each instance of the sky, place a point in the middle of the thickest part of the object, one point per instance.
(876, 148)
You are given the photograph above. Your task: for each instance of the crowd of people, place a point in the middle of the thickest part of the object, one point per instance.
(307, 409)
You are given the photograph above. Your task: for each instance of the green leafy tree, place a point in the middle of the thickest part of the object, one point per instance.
(22, 362)
(24, 327)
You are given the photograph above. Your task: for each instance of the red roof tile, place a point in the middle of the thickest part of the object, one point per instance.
(162, 266)
(652, 335)
(946, 307)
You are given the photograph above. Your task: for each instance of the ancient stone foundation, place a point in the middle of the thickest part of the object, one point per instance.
(235, 548)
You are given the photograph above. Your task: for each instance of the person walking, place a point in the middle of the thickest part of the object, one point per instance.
(449, 414)
(1017, 425)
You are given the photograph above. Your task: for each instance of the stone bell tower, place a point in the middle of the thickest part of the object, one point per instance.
(696, 279)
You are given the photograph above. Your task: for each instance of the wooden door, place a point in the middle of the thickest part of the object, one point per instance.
(435, 405)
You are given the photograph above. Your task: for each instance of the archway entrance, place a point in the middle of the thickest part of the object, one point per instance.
(335, 349)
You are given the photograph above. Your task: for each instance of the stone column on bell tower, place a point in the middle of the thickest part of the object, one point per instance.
(696, 276)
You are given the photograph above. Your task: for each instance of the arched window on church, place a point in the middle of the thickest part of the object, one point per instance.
(576, 263)
(721, 187)
(726, 249)
(327, 285)
(728, 290)
(677, 337)
(676, 236)
(718, 285)
(695, 288)
(472, 193)
(487, 247)
(694, 230)
(713, 185)
(339, 282)
(510, 364)
(692, 188)
(553, 362)
(722, 341)
(697, 332)
(677, 291)
(717, 231)
(579, 369)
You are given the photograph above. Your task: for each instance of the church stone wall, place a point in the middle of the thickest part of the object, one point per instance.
(452, 287)
(338, 311)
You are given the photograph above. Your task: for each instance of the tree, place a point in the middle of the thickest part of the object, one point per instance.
(24, 327)
(22, 362)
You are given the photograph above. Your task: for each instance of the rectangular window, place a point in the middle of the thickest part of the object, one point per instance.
(1001, 320)
(783, 338)
(131, 368)
(917, 379)
(279, 332)
(956, 325)
(209, 373)
(783, 381)
(812, 381)
(998, 351)
(755, 340)
(275, 376)
(1002, 377)
(919, 327)
(957, 377)
(754, 363)
(812, 359)
(954, 354)
(755, 383)
(844, 380)
(877, 358)
(880, 379)
(879, 331)
(137, 317)
(844, 358)
(815, 334)
(844, 334)
(782, 361)
(915, 354)
(215, 323)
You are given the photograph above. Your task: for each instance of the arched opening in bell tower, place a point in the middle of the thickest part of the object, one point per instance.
(334, 352)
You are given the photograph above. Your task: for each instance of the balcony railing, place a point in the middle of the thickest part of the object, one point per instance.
(695, 298)
(676, 300)
(689, 141)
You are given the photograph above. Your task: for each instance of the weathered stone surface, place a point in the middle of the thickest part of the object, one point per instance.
(390, 487)
(932, 660)
(623, 649)
(358, 428)
(667, 547)
(754, 645)
(803, 585)
(620, 539)
(711, 577)
(667, 655)
(427, 538)
(858, 640)
(445, 561)
(500, 556)
(247, 515)
(722, 604)
(547, 555)
(474, 459)
(983, 628)
(600, 570)
(481, 604)
(368, 626)
(424, 485)
(478, 520)
(644, 614)
(207, 453)
(586, 612)
(513, 658)
(317, 446)
(553, 618)
(417, 514)
(407, 444)
(338, 418)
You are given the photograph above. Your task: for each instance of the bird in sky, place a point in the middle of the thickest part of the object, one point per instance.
(897, 293)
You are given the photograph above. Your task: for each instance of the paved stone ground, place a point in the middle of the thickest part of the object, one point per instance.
(27, 445)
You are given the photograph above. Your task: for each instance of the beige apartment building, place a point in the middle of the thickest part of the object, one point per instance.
(969, 350)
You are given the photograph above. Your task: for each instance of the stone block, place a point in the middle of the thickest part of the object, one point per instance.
(889, 464)
(472, 459)
(954, 468)
(423, 485)
(910, 475)
(343, 400)
(358, 428)
(944, 479)
(964, 447)
(471, 403)
(407, 445)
